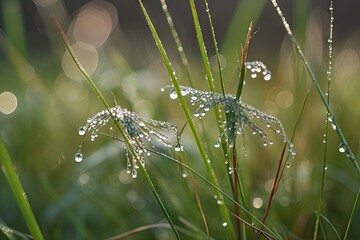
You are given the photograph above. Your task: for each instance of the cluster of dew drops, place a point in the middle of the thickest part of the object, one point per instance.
(138, 129)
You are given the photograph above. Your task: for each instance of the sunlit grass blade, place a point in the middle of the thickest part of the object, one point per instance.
(121, 130)
(344, 144)
(19, 193)
(177, 41)
(207, 162)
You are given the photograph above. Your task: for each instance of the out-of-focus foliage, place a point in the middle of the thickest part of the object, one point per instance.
(44, 100)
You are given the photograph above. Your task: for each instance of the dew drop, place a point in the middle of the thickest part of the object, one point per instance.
(224, 224)
(179, 148)
(173, 94)
(333, 126)
(78, 157)
(342, 147)
(217, 144)
(267, 76)
(134, 173)
(253, 75)
(82, 131)
(184, 174)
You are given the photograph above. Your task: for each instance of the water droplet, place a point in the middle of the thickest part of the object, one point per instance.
(326, 168)
(134, 173)
(217, 144)
(179, 148)
(82, 131)
(173, 94)
(224, 224)
(220, 202)
(267, 77)
(342, 148)
(162, 89)
(78, 157)
(333, 126)
(184, 174)
(253, 75)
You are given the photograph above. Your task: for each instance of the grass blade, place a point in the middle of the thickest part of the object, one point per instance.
(329, 72)
(352, 215)
(19, 193)
(332, 118)
(121, 130)
(207, 162)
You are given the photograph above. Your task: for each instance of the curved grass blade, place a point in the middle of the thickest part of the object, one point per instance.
(19, 193)
(119, 127)
(344, 144)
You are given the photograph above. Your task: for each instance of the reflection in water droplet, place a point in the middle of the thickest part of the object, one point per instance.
(78, 157)
(134, 173)
(267, 77)
(342, 147)
(173, 95)
(82, 131)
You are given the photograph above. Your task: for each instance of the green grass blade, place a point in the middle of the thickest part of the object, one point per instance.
(332, 118)
(329, 72)
(221, 76)
(207, 162)
(19, 193)
(119, 127)
(351, 217)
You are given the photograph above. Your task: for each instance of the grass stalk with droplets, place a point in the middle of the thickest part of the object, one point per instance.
(19, 193)
(119, 127)
(326, 131)
(207, 162)
(345, 147)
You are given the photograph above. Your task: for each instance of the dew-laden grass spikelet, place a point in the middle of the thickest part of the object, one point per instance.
(240, 115)
(139, 129)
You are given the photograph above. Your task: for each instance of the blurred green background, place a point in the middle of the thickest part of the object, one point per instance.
(44, 100)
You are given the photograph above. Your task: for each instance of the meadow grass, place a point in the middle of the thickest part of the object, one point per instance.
(209, 180)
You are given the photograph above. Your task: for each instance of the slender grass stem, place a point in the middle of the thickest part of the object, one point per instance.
(119, 127)
(19, 193)
(178, 43)
(332, 118)
(242, 64)
(329, 72)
